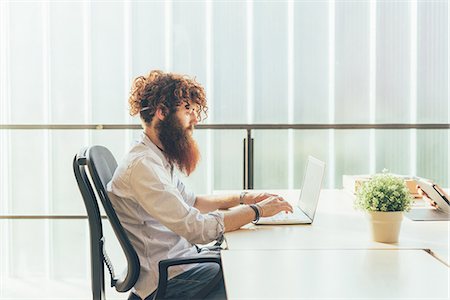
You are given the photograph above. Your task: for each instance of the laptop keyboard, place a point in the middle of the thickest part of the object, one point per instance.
(287, 216)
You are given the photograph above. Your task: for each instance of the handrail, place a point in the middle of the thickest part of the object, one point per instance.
(46, 217)
(248, 140)
(230, 126)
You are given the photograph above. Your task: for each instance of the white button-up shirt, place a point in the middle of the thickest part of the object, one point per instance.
(157, 212)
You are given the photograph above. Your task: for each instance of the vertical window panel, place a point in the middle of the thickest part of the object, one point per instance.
(229, 62)
(70, 258)
(310, 142)
(352, 76)
(351, 154)
(393, 62)
(66, 197)
(270, 90)
(26, 235)
(393, 86)
(66, 71)
(270, 42)
(352, 62)
(229, 75)
(108, 62)
(270, 159)
(432, 62)
(392, 149)
(432, 155)
(27, 67)
(228, 159)
(148, 52)
(189, 39)
(311, 62)
(432, 88)
(28, 182)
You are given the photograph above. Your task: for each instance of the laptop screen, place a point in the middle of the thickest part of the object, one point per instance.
(312, 183)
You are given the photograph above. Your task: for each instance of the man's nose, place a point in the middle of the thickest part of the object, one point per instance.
(194, 119)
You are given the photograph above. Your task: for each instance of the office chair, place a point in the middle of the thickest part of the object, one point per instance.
(100, 164)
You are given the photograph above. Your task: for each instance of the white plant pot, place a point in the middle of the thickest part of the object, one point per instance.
(385, 225)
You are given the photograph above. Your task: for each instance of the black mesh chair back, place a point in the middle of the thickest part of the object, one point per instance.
(99, 162)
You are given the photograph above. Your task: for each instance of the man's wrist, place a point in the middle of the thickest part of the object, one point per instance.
(242, 197)
(255, 208)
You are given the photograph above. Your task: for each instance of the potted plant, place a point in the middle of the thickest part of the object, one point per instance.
(385, 198)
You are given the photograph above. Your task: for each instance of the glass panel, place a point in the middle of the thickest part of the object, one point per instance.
(432, 155)
(5, 170)
(189, 39)
(270, 74)
(67, 72)
(310, 142)
(270, 159)
(311, 62)
(351, 154)
(228, 161)
(393, 60)
(229, 63)
(393, 151)
(66, 197)
(108, 78)
(432, 89)
(40, 177)
(26, 69)
(432, 62)
(69, 244)
(28, 248)
(148, 29)
(29, 172)
(352, 62)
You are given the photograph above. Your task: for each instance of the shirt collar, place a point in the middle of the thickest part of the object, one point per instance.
(148, 142)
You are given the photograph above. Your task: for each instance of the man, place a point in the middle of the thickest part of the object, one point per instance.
(162, 218)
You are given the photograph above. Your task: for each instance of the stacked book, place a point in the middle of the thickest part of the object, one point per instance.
(352, 183)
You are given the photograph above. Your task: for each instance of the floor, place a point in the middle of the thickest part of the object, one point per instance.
(43, 289)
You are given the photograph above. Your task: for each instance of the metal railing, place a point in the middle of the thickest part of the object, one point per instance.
(228, 126)
(248, 148)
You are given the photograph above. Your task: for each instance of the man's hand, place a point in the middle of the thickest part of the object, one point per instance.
(425, 196)
(273, 205)
(253, 198)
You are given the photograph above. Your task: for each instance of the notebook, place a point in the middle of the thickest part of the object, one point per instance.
(305, 208)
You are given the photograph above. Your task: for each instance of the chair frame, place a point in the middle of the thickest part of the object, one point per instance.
(93, 190)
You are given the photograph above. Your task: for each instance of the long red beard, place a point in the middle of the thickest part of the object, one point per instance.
(180, 148)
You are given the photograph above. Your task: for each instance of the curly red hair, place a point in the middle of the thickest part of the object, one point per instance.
(166, 91)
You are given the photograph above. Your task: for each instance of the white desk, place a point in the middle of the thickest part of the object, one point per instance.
(335, 257)
(332, 274)
(339, 226)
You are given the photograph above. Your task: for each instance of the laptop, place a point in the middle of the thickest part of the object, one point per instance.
(434, 192)
(305, 208)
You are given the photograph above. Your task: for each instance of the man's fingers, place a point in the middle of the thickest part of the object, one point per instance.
(287, 207)
(431, 202)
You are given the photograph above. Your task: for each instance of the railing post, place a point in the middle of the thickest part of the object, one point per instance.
(248, 161)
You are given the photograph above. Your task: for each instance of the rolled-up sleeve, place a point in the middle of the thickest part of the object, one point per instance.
(160, 198)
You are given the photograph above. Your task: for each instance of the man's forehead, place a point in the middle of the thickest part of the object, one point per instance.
(191, 103)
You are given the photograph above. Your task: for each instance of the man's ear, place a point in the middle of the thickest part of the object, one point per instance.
(161, 113)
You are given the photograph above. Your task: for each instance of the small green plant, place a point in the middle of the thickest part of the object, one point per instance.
(384, 192)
